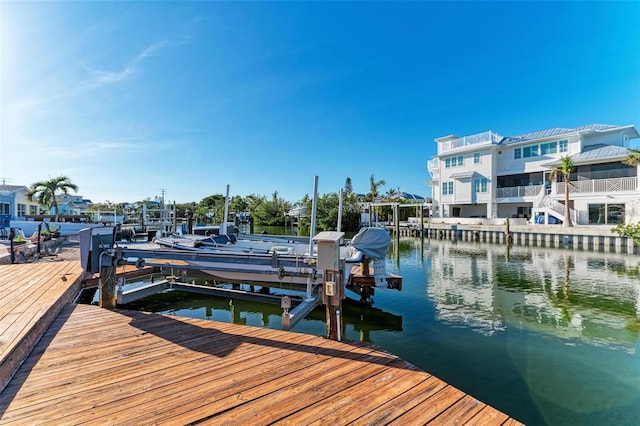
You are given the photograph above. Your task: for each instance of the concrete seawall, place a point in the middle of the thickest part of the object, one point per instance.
(591, 238)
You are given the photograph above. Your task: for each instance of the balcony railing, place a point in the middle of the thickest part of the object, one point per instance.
(576, 187)
(600, 185)
(484, 137)
(518, 191)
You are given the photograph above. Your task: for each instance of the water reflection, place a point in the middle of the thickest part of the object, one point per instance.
(570, 294)
(358, 318)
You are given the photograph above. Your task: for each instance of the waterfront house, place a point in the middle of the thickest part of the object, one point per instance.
(14, 204)
(69, 204)
(488, 175)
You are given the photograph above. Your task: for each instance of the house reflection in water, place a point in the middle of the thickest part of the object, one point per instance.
(593, 297)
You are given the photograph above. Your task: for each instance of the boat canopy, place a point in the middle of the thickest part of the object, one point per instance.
(373, 242)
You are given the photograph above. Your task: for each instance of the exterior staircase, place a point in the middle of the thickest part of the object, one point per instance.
(544, 204)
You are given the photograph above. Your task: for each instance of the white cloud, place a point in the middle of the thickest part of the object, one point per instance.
(103, 77)
(108, 77)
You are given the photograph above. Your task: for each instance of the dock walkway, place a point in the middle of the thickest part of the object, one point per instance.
(101, 366)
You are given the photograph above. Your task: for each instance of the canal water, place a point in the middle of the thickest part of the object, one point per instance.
(548, 336)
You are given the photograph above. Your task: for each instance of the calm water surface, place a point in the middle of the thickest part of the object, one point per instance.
(549, 336)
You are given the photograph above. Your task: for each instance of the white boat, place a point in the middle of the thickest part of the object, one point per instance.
(277, 260)
(30, 227)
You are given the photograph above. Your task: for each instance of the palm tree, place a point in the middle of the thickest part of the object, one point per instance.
(565, 170)
(45, 191)
(373, 192)
(633, 158)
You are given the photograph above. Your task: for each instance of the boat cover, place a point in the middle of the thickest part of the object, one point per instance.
(373, 242)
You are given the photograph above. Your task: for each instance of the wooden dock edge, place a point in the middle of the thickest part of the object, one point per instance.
(10, 364)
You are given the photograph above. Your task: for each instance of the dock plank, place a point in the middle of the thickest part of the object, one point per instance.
(101, 366)
(33, 295)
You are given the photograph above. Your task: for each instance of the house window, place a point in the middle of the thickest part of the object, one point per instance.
(4, 208)
(517, 153)
(530, 151)
(480, 185)
(454, 161)
(22, 210)
(33, 209)
(564, 145)
(606, 214)
(447, 188)
(548, 148)
(476, 158)
(524, 212)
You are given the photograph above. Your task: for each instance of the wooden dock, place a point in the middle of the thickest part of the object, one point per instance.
(102, 366)
(31, 296)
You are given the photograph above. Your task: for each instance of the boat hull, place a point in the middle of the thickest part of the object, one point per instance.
(30, 227)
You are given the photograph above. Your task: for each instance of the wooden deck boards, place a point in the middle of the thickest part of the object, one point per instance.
(100, 366)
(31, 295)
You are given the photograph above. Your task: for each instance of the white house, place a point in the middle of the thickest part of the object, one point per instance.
(489, 175)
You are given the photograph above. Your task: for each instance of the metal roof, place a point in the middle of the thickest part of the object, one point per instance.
(596, 127)
(538, 134)
(595, 153)
(557, 131)
(8, 189)
(600, 152)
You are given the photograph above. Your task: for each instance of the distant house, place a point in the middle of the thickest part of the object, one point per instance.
(493, 176)
(405, 196)
(69, 204)
(14, 204)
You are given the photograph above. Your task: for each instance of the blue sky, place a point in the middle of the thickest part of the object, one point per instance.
(128, 98)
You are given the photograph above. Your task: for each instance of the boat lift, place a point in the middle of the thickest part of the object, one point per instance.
(98, 254)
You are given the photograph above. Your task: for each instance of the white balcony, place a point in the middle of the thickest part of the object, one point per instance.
(625, 184)
(488, 137)
(518, 191)
(433, 164)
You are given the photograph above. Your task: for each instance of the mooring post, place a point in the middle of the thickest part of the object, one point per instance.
(507, 234)
(396, 219)
(12, 235)
(38, 249)
(107, 282)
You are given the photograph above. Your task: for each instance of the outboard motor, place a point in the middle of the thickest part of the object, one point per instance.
(374, 243)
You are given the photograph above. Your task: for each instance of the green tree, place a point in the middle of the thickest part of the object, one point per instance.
(272, 212)
(564, 170)
(348, 186)
(392, 194)
(211, 209)
(374, 186)
(237, 204)
(45, 191)
(630, 231)
(633, 158)
(327, 213)
(254, 201)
